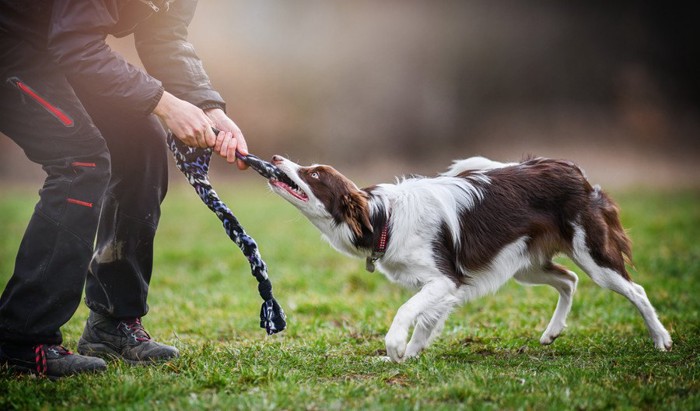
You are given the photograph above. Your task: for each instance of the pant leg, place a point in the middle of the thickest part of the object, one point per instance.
(41, 113)
(120, 271)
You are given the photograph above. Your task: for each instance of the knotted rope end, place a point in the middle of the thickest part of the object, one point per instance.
(272, 317)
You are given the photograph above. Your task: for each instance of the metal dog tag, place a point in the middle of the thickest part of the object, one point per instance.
(369, 264)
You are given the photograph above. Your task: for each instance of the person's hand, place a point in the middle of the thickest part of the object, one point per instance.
(187, 121)
(230, 138)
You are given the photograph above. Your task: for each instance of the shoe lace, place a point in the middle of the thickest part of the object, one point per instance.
(40, 356)
(135, 329)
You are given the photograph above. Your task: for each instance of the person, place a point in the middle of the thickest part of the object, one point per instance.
(93, 121)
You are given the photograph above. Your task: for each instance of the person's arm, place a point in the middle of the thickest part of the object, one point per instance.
(167, 54)
(76, 41)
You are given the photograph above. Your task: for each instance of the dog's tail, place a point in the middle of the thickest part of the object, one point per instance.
(612, 244)
(477, 163)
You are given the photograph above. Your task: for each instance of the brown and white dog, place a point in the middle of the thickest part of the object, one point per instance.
(466, 232)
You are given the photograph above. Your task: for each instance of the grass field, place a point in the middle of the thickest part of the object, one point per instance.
(204, 301)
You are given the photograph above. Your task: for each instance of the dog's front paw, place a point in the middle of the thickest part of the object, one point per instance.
(395, 346)
(413, 349)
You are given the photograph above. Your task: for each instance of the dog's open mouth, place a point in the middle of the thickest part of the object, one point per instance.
(284, 182)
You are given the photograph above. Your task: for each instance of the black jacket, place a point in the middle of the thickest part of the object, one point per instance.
(73, 33)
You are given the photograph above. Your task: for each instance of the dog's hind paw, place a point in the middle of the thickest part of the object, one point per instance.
(547, 339)
(552, 333)
(663, 342)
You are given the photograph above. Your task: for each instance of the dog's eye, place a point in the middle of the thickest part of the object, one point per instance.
(315, 175)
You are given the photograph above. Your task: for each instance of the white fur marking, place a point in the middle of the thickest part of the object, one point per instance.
(474, 164)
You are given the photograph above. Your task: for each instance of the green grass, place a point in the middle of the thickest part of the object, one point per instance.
(204, 301)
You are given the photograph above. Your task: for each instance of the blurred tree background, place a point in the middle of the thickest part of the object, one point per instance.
(381, 88)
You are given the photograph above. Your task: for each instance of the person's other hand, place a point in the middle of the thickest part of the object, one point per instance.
(187, 121)
(230, 138)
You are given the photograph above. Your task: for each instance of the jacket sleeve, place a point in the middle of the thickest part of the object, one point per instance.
(167, 55)
(76, 41)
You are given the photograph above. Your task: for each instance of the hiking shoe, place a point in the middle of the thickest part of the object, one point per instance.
(124, 339)
(44, 360)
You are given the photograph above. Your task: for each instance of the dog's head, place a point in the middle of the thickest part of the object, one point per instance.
(326, 197)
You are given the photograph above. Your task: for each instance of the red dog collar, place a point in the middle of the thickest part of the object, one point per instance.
(379, 247)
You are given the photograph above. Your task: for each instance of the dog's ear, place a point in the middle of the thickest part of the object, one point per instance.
(356, 210)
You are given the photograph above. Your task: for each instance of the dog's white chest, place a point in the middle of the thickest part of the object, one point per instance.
(405, 274)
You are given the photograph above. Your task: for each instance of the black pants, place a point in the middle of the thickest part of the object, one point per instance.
(106, 178)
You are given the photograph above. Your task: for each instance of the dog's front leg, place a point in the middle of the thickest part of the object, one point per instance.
(433, 294)
(428, 327)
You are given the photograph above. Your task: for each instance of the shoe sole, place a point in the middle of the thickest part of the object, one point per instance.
(108, 353)
(20, 370)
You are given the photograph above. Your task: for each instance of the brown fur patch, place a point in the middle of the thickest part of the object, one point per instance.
(341, 197)
(537, 199)
(606, 239)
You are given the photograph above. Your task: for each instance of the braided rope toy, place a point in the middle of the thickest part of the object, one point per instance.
(194, 164)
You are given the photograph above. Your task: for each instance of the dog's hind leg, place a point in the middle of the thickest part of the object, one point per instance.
(618, 281)
(564, 281)
(433, 294)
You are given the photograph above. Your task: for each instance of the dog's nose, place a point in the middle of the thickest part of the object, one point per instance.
(277, 159)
